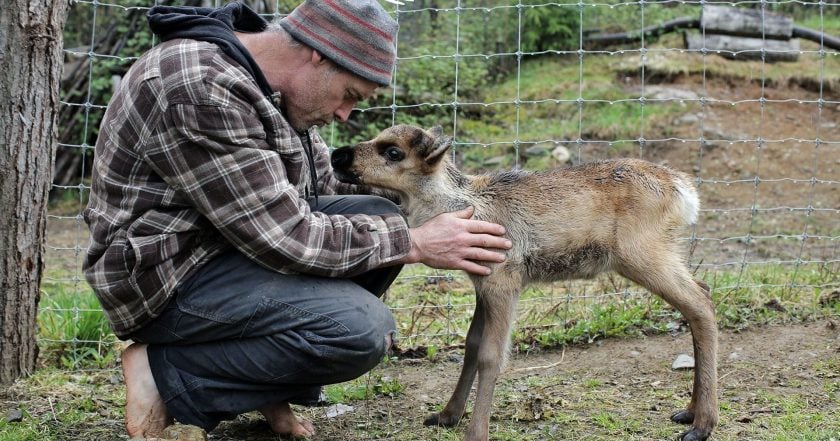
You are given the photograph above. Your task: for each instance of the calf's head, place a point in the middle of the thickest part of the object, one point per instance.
(398, 159)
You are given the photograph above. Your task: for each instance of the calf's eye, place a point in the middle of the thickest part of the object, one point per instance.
(394, 154)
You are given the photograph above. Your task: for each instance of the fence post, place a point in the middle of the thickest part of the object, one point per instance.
(31, 61)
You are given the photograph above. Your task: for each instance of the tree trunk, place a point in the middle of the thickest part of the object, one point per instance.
(30, 59)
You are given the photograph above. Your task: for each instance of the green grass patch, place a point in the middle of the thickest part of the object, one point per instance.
(73, 330)
(363, 388)
(435, 308)
(548, 91)
(61, 405)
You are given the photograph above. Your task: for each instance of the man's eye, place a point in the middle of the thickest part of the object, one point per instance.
(394, 154)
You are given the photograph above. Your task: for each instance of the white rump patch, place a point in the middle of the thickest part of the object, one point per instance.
(690, 201)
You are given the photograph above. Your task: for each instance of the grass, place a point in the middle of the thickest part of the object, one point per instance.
(73, 330)
(363, 388)
(434, 308)
(74, 391)
(549, 113)
(59, 404)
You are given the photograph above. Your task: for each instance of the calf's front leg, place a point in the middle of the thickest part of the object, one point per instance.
(454, 410)
(500, 298)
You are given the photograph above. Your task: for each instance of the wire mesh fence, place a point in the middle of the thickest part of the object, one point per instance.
(535, 85)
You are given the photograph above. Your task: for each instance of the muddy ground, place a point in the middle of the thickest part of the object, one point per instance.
(777, 382)
(629, 380)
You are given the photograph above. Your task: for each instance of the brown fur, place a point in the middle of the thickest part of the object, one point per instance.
(569, 223)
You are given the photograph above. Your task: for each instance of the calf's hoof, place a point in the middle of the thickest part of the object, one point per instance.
(683, 417)
(695, 435)
(439, 419)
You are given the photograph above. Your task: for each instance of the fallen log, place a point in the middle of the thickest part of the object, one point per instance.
(742, 22)
(648, 32)
(744, 48)
(817, 36)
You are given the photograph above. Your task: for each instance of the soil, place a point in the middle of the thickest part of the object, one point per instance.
(762, 174)
(781, 187)
(556, 394)
(631, 378)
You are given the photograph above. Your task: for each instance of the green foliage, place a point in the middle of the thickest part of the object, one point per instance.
(74, 332)
(440, 308)
(449, 56)
(363, 388)
(550, 27)
(100, 51)
(60, 405)
(622, 16)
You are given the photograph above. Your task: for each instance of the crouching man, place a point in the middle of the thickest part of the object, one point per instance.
(221, 244)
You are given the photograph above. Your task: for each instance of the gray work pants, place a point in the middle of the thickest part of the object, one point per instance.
(237, 337)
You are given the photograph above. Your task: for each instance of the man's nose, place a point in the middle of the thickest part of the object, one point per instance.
(343, 112)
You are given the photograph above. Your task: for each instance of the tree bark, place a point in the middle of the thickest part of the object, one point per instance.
(31, 60)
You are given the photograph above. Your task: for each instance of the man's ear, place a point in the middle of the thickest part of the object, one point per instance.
(316, 58)
(440, 145)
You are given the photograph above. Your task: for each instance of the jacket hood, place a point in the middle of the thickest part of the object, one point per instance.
(215, 26)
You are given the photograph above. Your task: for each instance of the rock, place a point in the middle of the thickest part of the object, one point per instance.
(337, 410)
(178, 432)
(561, 154)
(635, 353)
(455, 358)
(683, 361)
(14, 416)
(536, 150)
(496, 160)
(688, 118)
(182, 432)
(669, 93)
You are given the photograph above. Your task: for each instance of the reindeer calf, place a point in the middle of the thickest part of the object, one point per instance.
(568, 223)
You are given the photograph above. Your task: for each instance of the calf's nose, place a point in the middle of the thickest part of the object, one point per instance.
(342, 158)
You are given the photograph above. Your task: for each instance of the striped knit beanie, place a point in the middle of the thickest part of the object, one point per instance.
(358, 35)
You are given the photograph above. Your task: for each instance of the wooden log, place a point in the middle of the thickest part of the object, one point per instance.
(648, 32)
(818, 37)
(742, 48)
(716, 19)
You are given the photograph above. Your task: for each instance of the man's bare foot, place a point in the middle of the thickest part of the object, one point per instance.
(145, 412)
(284, 422)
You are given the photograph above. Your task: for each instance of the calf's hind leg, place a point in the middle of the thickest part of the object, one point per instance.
(669, 278)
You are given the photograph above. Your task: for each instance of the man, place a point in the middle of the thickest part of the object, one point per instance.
(219, 242)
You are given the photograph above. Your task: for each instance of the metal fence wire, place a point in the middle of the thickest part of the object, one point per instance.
(760, 136)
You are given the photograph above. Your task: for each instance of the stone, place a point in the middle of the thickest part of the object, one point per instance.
(337, 410)
(683, 361)
(561, 154)
(14, 416)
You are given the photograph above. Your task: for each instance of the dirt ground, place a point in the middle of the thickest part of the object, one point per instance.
(560, 394)
(762, 173)
(614, 389)
(778, 382)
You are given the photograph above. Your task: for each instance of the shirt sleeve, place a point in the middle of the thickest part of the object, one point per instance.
(222, 164)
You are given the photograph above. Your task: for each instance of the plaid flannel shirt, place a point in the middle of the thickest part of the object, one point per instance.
(192, 159)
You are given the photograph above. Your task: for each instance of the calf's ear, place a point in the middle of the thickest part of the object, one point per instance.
(440, 145)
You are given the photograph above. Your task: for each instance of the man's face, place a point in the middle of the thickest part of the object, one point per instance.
(326, 92)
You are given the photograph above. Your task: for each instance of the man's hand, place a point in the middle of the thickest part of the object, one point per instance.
(454, 241)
